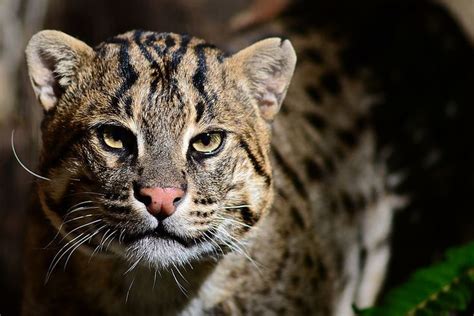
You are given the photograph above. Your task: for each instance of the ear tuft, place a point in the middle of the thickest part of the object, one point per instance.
(268, 65)
(53, 59)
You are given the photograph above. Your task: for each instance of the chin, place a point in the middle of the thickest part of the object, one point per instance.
(162, 253)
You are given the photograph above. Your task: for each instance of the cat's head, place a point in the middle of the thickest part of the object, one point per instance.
(157, 144)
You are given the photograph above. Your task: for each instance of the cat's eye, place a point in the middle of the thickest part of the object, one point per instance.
(112, 139)
(207, 143)
(116, 138)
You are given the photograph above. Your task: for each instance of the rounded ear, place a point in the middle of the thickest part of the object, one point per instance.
(268, 66)
(53, 59)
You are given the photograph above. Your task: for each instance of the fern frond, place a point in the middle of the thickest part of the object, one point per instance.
(440, 289)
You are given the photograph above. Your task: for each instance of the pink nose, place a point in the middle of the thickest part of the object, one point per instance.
(161, 200)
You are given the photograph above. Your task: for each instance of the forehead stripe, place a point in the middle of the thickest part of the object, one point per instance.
(126, 70)
(180, 52)
(158, 74)
(199, 78)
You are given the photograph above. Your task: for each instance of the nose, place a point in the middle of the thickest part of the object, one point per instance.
(161, 201)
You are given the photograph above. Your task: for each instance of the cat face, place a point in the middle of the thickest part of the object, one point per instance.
(157, 145)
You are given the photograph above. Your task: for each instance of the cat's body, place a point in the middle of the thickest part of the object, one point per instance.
(304, 234)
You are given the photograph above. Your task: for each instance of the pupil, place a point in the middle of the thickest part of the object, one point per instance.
(206, 139)
(115, 136)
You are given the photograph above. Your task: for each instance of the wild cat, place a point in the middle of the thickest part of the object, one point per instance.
(173, 185)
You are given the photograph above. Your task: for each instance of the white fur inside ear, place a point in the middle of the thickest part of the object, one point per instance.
(269, 67)
(53, 59)
(43, 83)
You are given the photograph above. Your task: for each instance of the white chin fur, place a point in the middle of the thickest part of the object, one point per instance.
(163, 253)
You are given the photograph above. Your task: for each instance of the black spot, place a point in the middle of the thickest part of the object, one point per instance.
(247, 216)
(331, 82)
(360, 201)
(362, 123)
(295, 280)
(314, 54)
(316, 121)
(347, 137)
(313, 170)
(314, 93)
(308, 261)
(362, 257)
(348, 203)
(297, 218)
(169, 41)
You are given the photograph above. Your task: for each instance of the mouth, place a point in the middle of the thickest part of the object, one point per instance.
(161, 233)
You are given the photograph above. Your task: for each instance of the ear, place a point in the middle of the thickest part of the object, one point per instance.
(268, 66)
(53, 60)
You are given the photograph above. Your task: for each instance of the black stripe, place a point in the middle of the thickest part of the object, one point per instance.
(180, 52)
(297, 217)
(128, 105)
(256, 165)
(126, 70)
(157, 73)
(295, 179)
(199, 111)
(199, 77)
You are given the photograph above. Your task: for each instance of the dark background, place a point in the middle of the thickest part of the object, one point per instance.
(421, 57)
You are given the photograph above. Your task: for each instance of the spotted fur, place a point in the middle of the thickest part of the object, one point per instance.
(258, 229)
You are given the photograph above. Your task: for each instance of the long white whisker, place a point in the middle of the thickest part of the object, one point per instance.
(182, 276)
(52, 265)
(74, 249)
(235, 206)
(61, 226)
(181, 288)
(233, 221)
(133, 266)
(79, 227)
(19, 161)
(82, 208)
(128, 291)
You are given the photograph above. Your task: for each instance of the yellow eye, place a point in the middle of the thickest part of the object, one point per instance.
(207, 143)
(112, 138)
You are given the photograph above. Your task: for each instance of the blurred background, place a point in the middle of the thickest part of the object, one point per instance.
(420, 52)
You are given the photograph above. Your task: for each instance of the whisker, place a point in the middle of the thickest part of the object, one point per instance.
(154, 279)
(235, 206)
(53, 265)
(184, 279)
(79, 227)
(82, 208)
(99, 246)
(133, 266)
(181, 288)
(61, 226)
(19, 161)
(76, 247)
(128, 291)
(233, 221)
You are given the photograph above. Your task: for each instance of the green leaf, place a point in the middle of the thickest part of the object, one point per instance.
(440, 289)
